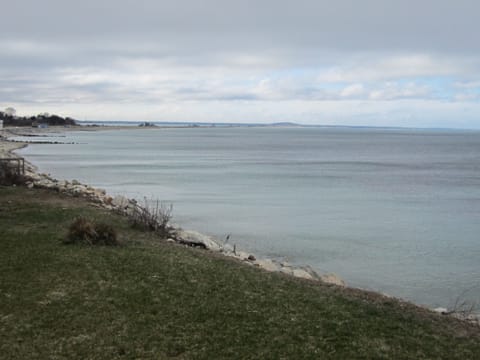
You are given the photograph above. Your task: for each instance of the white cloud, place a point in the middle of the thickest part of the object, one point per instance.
(464, 97)
(352, 91)
(378, 67)
(467, 84)
(393, 90)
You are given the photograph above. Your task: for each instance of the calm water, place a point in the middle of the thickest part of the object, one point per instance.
(396, 211)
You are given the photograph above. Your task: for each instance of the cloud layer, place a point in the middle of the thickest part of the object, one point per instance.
(402, 63)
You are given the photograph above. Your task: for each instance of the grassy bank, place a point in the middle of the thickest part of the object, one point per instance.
(152, 299)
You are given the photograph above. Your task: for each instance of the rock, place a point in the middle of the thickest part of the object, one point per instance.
(45, 183)
(332, 279)
(227, 248)
(267, 264)
(120, 201)
(300, 273)
(441, 310)
(34, 177)
(251, 258)
(170, 240)
(196, 239)
(242, 255)
(77, 190)
(30, 185)
(286, 270)
(100, 192)
(312, 272)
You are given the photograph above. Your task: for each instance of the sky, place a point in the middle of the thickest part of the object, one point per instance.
(343, 62)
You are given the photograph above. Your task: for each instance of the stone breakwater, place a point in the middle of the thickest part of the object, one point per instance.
(125, 206)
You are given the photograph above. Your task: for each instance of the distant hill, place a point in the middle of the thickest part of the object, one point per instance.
(285, 124)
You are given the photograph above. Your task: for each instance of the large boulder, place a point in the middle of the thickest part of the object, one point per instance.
(120, 201)
(332, 279)
(301, 273)
(196, 239)
(267, 264)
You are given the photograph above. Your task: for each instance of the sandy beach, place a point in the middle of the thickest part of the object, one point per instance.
(6, 147)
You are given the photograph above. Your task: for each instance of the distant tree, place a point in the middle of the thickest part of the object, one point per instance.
(10, 111)
(45, 118)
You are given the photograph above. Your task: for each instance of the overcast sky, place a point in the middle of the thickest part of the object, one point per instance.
(351, 62)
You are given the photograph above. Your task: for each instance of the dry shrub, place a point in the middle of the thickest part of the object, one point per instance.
(153, 216)
(106, 234)
(81, 230)
(85, 231)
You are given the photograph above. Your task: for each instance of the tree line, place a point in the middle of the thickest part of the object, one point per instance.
(10, 119)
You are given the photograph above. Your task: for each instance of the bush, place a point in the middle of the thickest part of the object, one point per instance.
(106, 234)
(85, 231)
(153, 216)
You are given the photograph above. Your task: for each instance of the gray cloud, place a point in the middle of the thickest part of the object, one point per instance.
(186, 25)
(58, 52)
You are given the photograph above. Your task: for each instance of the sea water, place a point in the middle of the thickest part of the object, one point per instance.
(396, 211)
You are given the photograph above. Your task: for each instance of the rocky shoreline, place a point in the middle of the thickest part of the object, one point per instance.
(125, 206)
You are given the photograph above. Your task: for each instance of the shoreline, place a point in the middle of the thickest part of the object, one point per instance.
(126, 206)
(191, 238)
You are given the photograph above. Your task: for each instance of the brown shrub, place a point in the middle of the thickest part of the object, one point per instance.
(153, 216)
(106, 234)
(85, 231)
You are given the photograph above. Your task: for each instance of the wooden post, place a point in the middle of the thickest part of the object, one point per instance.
(20, 164)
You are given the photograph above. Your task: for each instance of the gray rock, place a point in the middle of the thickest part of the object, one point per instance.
(194, 238)
(100, 192)
(120, 201)
(332, 279)
(286, 270)
(267, 264)
(77, 190)
(301, 273)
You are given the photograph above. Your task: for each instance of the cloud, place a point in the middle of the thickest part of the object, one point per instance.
(464, 97)
(307, 59)
(467, 84)
(378, 67)
(353, 90)
(249, 25)
(393, 90)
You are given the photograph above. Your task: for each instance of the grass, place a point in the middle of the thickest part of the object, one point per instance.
(150, 299)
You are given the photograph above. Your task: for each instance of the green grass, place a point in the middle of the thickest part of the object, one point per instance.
(150, 299)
